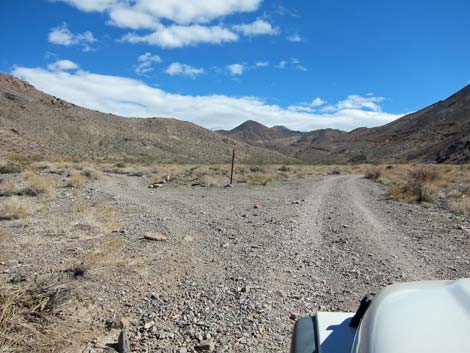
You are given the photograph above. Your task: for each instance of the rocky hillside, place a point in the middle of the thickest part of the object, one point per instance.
(439, 133)
(278, 138)
(34, 123)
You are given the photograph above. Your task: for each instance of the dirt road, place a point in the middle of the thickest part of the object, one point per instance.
(242, 263)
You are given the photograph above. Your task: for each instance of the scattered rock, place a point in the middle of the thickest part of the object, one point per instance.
(155, 237)
(205, 346)
(123, 343)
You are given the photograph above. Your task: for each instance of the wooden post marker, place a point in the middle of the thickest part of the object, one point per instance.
(234, 152)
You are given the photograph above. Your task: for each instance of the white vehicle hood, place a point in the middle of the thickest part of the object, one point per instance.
(428, 317)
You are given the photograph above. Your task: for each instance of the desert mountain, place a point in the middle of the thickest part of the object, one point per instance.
(278, 138)
(439, 133)
(34, 123)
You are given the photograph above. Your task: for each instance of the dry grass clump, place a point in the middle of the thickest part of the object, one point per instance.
(14, 208)
(30, 315)
(416, 185)
(108, 252)
(212, 180)
(9, 188)
(460, 205)
(10, 168)
(90, 173)
(37, 184)
(373, 174)
(260, 179)
(76, 181)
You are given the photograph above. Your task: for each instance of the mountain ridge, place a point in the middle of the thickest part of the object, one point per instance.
(33, 122)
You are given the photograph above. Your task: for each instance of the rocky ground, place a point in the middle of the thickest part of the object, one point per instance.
(233, 267)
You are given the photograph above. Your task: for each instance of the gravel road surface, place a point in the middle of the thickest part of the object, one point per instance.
(243, 263)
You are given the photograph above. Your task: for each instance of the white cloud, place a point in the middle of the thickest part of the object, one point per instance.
(183, 69)
(255, 28)
(359, 102)
(294, 38)
(90, 5)
(180, 36)
(308, 107)
(262, 64)
(176, 23)
(129, 97)
(317, 102)
(125, 17)
(62, 65)
(181, 12)
(236, 69)
(282, 64)
(145, 63)
(63, 36)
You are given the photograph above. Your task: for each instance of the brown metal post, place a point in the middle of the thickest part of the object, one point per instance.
(233, 162)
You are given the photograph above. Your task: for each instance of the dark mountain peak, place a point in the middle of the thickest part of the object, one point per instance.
(249, 125)
(286, 131)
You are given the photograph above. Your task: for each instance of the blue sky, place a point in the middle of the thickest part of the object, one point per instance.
(304, 64)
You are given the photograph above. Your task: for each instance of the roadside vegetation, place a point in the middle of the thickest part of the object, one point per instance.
(445, 185)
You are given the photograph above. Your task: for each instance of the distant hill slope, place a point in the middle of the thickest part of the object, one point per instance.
(34, 123)
(277, 138)
(439, 133)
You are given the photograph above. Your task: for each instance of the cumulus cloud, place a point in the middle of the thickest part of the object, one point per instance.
(359, 102)
(61, 65)
(262, 64)
(308, 107)
(176, 23)
(236, 69)
(294, 38)
(317, 102)
(181, 12)
(146, 62)
(183, 70)
(180, 36)
(256, 28)
(129, 97)
(63, 36)
(90, 5)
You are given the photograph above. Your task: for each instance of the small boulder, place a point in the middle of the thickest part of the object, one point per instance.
(155, 236)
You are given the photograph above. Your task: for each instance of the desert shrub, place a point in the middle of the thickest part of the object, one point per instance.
(37, 184)
(13, 208)
(415, 184)
(214, 181)
(256, 169)
(241, 170)
(461, 205)
(283, 176)
(27, 313)
(373, 174)
(76, 181)
(335, 171)
(9, 188)
(78, 270)
(23, 159)
(90, 173)
(260, 179)
(10, 168)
